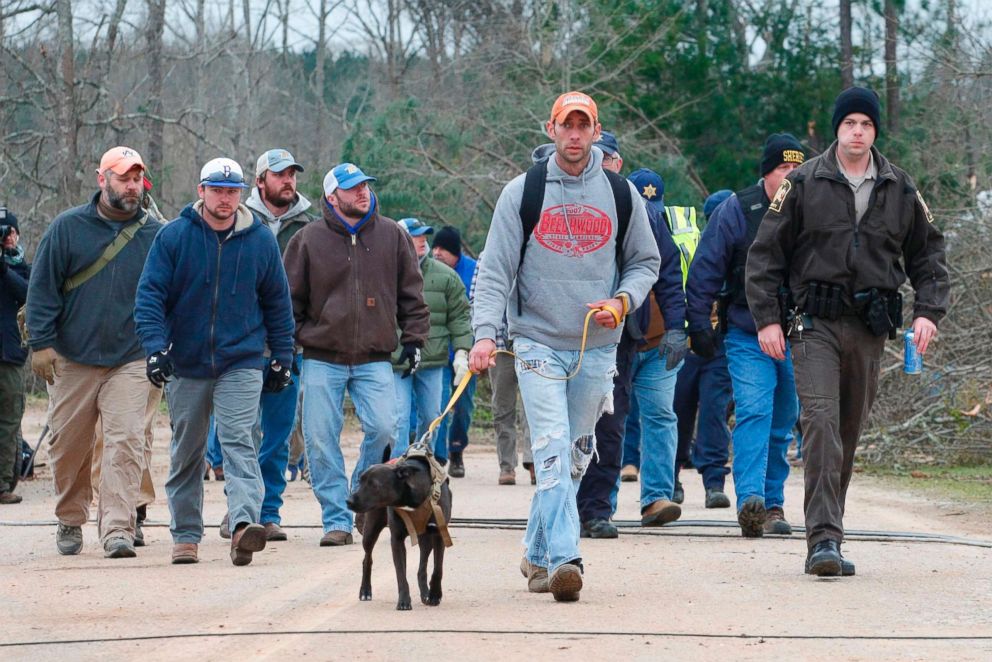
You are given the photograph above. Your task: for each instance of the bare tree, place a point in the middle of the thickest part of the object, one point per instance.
(892, 103)
(154, 31)
(846, 45)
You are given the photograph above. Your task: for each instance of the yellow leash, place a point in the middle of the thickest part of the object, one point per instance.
(578, 366)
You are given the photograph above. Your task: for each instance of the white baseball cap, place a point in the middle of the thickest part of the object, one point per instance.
(222, 172)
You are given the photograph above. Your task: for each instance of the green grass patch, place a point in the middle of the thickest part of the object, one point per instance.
(972, 484)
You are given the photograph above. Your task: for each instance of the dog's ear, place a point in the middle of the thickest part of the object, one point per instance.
(403, 471)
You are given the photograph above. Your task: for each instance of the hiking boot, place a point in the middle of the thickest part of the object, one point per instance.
(219, 473)
(824, 559)
(566, 582)
(846, 567)
(336, 539)
(8, 498)
(752, 517)
(274, 532)
(529, 466)
(628, 474)
(598, 528)
(225, 527)
(678, 492)
(775, 522)
(508, 477)
(139, 535)
(537, 576)
(69, 539)
(457, 468)
(246, 540)
(118, 547)
(660, 512)
(184, 552)
(716, 498)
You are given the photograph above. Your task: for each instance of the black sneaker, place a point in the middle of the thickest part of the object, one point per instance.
(824, 559)
(457, 468)
(678, 494)
(598, 528)
(752, 517)
(716, 498)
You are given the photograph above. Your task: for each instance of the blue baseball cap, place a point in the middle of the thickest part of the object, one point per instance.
(608, 143)
(276, 160)
(415, 227)
(346, 176)
(714, 200)
(650, 185)
(222, 173)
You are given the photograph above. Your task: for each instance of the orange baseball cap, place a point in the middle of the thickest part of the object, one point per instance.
(570, 101)
(120, 160)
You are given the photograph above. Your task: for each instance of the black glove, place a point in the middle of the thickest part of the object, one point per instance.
(411, 355)
(277, 377)
(159, 368)
(703, 343)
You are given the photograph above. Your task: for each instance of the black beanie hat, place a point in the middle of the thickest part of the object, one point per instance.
(781, 148)
(449, 239)
(858, 100)
(7, 217)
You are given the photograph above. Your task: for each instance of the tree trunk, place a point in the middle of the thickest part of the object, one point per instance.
(68, 131)
(153, 38)
(321, 61)
(891, 68)
(846, 45)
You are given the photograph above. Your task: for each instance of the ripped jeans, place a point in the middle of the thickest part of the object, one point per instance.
(562, 417)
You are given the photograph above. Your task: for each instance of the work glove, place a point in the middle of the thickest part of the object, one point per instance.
(460, 365)
(703, 343)
(159, 368)
(277, 378)
(411, 355)
(673, 348)
(43, 364)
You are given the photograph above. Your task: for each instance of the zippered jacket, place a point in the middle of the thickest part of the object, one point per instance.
(217, 303)
(811, 233)
(352, 288)
(94, 323)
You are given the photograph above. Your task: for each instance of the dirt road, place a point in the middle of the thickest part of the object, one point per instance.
(689, 592)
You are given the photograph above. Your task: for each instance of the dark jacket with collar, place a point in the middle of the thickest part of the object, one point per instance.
(810, 233)
(13, 292)
(217, 303)
(351, 291)
(94, 323)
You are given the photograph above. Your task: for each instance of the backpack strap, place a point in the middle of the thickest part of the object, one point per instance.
(625, 207)
(109, 253)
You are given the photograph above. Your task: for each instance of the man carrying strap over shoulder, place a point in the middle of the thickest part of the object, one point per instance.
(81, 325)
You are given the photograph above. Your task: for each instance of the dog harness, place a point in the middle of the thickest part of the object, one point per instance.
(417, 519)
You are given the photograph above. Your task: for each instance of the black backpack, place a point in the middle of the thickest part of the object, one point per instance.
(533, 198)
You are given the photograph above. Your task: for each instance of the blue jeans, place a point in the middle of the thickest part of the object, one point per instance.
(214, 456)
(703, 387)
(632, 435)
(425, 386)
(453, 431)
(762, 433)
(277, 414)
(655, 389)
(562, 416)
(371, 388)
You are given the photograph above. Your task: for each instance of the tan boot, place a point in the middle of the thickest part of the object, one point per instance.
(628, 474)
(537, 576)
(246, 540)
(508, 477)
(660, 512)
(184, 552)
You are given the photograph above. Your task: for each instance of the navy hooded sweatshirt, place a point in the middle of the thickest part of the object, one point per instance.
(216, 302)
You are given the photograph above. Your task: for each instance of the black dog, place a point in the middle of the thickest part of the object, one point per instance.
(381, 489)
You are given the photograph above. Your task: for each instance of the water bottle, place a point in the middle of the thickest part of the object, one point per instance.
(912, 362)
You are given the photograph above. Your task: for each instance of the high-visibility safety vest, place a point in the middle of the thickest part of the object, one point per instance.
(685, 233)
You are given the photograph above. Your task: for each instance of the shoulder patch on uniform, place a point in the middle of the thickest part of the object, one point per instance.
(780, 195)
(926, 210)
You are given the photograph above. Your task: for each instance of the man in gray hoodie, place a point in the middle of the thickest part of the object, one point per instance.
(573, 265)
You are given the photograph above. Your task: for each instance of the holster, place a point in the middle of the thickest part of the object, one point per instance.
(824, 300)
(880, 310)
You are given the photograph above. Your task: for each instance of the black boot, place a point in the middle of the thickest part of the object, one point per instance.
(824, 559)
(457, 469)
(139, 535)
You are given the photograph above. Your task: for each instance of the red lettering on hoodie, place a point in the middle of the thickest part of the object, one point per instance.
(573, 230)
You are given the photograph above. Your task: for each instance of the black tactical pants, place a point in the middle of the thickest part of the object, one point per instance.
(836, 366)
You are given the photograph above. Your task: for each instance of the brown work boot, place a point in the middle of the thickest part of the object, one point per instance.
(660, 512)
(246, 540)
(566, 582)
(529, 466)
(184, 552)
(225, 527)
(508, 477)
(775, 522)
(336, 539)
(274, 532)
(8, 498)
(628, 474)
(537, 576)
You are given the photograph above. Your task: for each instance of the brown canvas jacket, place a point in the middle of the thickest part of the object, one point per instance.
(350, 292)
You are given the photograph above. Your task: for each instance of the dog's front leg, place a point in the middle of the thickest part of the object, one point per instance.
(425, 552)
(434, 595)
(397, 535)
(374, 523)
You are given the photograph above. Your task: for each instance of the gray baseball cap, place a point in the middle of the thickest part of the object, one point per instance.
(276, 160)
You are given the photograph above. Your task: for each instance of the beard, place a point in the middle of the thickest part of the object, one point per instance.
(121, 202)
(354, 210)
(280, 196)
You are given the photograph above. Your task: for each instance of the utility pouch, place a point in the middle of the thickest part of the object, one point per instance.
(873, 308)
(824, 300)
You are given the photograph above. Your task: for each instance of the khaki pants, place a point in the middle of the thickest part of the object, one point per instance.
(146, 495)
(117, 397)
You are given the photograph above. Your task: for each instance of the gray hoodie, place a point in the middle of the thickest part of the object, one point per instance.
(570, 260)
(286, 225)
